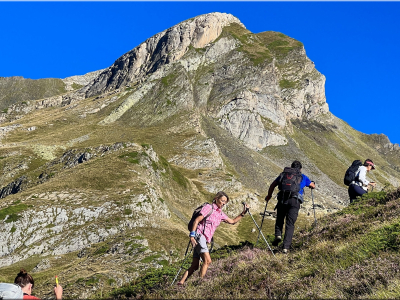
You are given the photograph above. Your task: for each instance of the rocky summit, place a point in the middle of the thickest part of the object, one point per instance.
(101, 172)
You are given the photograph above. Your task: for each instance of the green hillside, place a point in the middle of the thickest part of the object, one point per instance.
(19, 89)
(346, 255)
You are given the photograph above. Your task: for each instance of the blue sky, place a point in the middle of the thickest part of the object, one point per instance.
(354, 44)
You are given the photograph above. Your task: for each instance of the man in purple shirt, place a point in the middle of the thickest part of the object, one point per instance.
(288, 207)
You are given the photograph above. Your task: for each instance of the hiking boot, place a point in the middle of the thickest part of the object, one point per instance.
(277, 240)
(285, 251)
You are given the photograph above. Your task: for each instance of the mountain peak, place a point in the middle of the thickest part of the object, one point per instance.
(161, 49)
(207, 27)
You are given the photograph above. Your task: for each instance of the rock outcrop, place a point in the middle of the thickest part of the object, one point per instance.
(161, 49)
(14, 187)
(74, 82)
(268, 81)
(198, 155)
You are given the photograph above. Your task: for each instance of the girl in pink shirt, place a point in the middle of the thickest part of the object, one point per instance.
(202, 233)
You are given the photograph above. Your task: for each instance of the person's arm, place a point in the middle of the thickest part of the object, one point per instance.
(193, 231)
(237, 219)
(271, 190)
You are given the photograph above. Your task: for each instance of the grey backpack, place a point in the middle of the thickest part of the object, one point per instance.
(10, 291)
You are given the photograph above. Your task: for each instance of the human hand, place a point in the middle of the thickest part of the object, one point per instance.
(312, 185)
(193, 241)
(267, 198)
(373, 183)
(245, 209)
(58, 290)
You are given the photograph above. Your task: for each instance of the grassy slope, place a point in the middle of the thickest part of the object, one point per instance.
(344, 256)
(18, 89)
(332, 150)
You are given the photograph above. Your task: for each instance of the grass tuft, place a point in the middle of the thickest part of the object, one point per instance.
(12, 212)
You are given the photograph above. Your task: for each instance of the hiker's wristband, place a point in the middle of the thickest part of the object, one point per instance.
(192, 234)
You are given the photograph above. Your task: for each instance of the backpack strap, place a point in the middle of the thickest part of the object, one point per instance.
(280, 178)
(205, 218)
(356, 178)
(204, 228)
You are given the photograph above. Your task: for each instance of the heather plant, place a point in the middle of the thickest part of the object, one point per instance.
(158, 279)
(353, 253)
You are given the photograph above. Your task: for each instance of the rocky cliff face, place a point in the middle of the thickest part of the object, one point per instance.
(74, 82)
(253, 84)
(98, 182)
(162, 49)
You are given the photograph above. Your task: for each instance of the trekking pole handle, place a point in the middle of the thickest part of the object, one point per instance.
(244, 204)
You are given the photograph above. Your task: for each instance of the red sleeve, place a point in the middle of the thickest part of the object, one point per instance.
(30, 297)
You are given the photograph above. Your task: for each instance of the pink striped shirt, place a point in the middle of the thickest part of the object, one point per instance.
(212, 222)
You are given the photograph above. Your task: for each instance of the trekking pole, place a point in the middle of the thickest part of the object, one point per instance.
(313, 205)
(262, 221)
(187, 248)
(259, 230)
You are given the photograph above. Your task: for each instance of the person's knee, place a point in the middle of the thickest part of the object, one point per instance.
(207, 260)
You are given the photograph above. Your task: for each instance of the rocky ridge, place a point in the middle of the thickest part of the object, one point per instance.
(161, 49)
